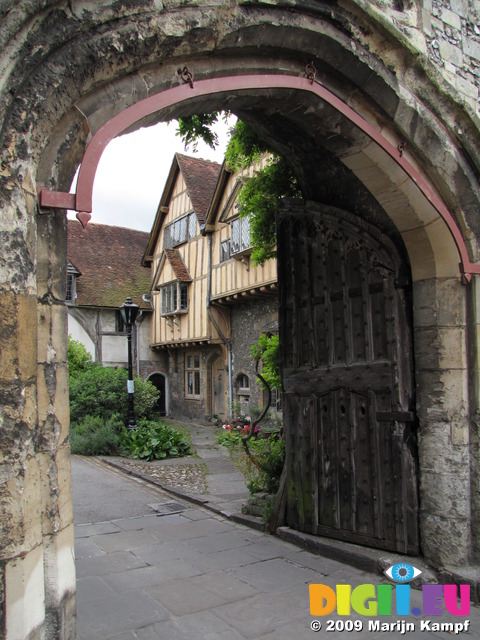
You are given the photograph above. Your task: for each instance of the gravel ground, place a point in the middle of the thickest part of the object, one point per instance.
(189, 478)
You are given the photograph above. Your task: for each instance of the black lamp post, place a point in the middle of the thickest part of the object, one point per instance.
(129, 312)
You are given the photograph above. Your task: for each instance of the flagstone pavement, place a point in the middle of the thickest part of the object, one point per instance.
(152, 564)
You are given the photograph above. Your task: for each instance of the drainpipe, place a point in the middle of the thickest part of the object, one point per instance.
(137, 340)
(226, 341)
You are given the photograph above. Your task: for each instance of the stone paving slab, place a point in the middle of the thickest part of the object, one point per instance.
(197, 575)
(112, 613)
(263, 575)
(123, 540)
(267, 612)
(107, 564)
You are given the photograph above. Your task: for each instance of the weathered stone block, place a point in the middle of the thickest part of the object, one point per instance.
(451, 53)
(437, 450)
(441, 395)
(25, 594)
(59, 567)
(443, 493)
(451, 18)
(44, 397)
(439, 303)
(32, 505)
(471, 48)
(52, 333)
(460, 7)
(51, 256)
(442, 549)
(29, 415)
(62, 406)
(11, 523)
(56, 490)
(65, 508)
(453, 349)
(27, 343)
(8, 336)
(17, 336)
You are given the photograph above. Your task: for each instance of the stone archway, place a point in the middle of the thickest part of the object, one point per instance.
(67, 70)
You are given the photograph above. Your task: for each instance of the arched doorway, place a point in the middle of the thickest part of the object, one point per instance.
(160, 381)
(67, 73)
(360, 171)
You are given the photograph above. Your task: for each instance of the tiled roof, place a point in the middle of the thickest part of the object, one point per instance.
(178, 265)
(109, 259)
(201, 178)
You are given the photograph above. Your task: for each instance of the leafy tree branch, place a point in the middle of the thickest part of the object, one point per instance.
(259, 197)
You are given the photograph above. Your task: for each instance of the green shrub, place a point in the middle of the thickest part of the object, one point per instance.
(155, 441)
(263, 468)
(102, 392)
(269, 455)
(93, 436)
(78, 357)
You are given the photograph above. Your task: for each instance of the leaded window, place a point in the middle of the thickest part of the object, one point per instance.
(240, 240)
(174, 298)
(225, 251)
(192, 375)
(180, 231)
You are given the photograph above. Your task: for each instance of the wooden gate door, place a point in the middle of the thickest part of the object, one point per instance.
(349, 409)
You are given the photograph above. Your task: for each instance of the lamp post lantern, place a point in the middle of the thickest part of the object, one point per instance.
(129, 312)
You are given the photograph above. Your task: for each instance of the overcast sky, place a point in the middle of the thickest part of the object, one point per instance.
(133, 170)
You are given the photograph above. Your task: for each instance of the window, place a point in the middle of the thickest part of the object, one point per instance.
(275, 399)
(225, 251)
(240, 240)
(192, 375)
(71, 282)
(243, 383)
(119, 323)
(180, 231)
(174, 298)
(72, 274)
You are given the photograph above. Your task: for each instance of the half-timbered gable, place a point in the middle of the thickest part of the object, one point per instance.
(234, 276)
(239, 288)
(210, 303)
(178, 255)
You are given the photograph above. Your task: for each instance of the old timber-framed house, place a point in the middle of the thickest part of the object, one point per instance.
(210, 303)
(104, 267)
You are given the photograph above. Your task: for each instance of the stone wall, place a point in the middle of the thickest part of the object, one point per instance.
(181, 406)
(446, 31)
(408, 67)
(443, 407)
(249, 321)
(36, 534)
(453, 39)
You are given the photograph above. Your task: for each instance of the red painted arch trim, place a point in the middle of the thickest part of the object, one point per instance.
(184, 92)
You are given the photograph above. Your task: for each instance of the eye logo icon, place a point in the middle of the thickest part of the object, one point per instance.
(402, 572)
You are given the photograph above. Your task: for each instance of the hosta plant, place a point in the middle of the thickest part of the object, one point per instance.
(154, 441)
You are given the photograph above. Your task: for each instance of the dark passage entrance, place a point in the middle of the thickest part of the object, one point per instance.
(158, 380)
(347, 367)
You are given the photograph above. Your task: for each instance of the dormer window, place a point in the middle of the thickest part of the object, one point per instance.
(180, 231)
(174, 298)
(72, 274)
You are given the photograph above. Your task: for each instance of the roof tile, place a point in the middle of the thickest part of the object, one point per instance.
(200, 178)
(178, 265)
(109, 259)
